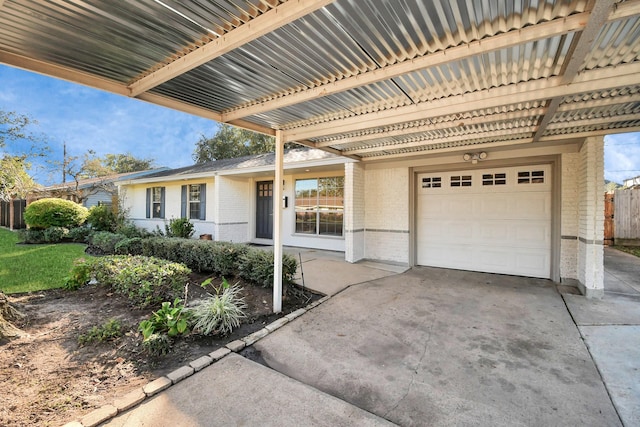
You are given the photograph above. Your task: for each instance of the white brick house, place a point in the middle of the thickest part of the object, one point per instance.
(531, 211)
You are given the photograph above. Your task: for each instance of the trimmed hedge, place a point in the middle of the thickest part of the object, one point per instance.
(52, 212)
(145, 281)
(221, 258)
(106, 241)
(256, 266)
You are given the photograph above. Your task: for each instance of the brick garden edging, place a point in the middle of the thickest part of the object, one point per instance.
(136, 397)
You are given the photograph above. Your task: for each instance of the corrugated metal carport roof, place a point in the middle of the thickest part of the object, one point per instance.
(371, 79)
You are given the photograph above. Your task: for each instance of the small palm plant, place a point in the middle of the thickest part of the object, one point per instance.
(221, 313)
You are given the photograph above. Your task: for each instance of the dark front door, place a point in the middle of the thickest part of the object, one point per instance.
(264, 210)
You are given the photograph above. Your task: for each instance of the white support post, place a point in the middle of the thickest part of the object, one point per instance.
(277, 223)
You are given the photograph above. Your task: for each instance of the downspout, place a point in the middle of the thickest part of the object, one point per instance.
(277, 223)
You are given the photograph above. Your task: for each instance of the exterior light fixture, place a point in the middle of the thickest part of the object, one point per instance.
(474, 157)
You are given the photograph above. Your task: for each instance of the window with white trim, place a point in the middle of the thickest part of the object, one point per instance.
(157, 202)
(320, 206)
(193, 201)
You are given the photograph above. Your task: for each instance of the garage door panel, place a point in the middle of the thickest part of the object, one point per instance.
(498, 225)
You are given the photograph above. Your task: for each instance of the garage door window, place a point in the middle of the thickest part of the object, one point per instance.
(433, 182)
(531, 177)
(461, 181)
(494, 179)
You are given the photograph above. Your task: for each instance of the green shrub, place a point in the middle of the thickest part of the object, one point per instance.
(79, 275)
(179, 227)
(221, 313)
(130, 246)
(31, 235)
(51, 212)
(170, 319)
(109, 331)
(102, 218)
(55, 234)
(106, 241)
(80, 234)
(221, 258)
(157, 344)
(130, 230)
(256, 266)
(143, 280)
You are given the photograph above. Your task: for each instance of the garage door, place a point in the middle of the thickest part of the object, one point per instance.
(494, 220)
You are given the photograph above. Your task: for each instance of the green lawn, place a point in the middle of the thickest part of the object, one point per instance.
(25, 268)
(633, 250)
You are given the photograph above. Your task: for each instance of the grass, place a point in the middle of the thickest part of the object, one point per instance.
(27, 268)
(633, 250)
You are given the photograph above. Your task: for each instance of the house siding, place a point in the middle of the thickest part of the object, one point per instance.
(387, 214)
(102, 196)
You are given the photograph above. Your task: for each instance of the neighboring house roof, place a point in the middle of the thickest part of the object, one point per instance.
(292, 158)
(91, 182)
(632, 182)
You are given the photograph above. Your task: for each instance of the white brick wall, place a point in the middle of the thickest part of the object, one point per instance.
(569, 216)
(591, 218)
(354, 219)
(232, 209)
(387, 214)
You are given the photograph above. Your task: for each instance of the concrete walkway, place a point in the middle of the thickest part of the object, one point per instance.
(425, 347)
(611, 329)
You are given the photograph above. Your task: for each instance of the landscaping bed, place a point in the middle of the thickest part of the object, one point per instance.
(48, 378)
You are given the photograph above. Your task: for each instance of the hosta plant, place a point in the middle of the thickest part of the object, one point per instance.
(221, 313)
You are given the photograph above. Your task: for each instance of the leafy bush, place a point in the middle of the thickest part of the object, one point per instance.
(55, 234)
(51, 212)
(170, 320)
(256, 266)
(143, 280)
(106, 241)
(157, 344)
(130, 230)
(109, 331)
(79, 234)
(221, 313)
(102, 218)
(79, 275)
(31, 235)
(130, 246)
(200, 255)
(179, 227)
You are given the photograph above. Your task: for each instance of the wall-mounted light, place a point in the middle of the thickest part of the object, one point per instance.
(474, 157)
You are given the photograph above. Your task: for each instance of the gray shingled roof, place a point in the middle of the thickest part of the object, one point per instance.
(294, 155)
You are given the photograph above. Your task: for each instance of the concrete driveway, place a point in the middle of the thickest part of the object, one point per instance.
(429, 347)
(442, 347)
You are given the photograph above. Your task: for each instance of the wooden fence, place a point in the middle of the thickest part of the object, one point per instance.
(626, 217)
(12, 214)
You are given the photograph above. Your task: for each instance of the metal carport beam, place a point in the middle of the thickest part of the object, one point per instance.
(501, 41)
(535, 90)
(257, 27)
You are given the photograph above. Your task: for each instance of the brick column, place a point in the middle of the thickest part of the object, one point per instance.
(353, 211)
(591, 218)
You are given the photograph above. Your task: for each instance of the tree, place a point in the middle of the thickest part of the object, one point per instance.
(15, 181)
(94, 167)
(231, 142)
(16, 127)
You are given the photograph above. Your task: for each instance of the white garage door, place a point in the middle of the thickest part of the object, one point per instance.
(495, 221)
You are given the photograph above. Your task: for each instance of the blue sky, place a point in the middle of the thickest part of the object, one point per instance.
(86, 118)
